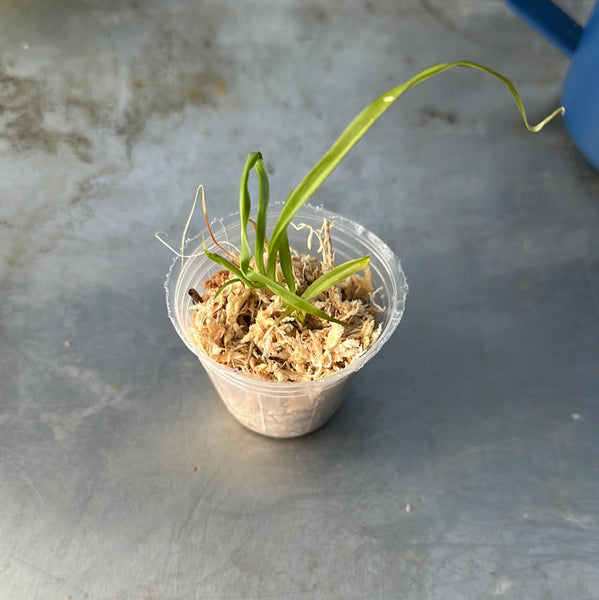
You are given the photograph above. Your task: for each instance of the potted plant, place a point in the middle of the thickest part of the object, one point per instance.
(282, 330)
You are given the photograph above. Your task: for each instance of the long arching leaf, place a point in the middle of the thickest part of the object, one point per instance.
(360, 125)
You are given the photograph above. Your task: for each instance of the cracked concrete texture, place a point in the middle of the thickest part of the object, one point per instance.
(109, 76)
(78, 85)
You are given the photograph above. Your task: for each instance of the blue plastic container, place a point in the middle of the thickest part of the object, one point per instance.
(580, 92)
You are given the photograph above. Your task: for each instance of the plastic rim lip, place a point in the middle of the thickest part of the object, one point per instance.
(373, 245)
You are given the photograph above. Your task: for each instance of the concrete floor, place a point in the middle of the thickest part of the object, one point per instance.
(121, 473)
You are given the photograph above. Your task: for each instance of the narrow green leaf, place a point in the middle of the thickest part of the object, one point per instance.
(334, 276)
(291, 299)
(271, 264)
(263, 196)
(229, 266)
(245, 254)
(285, 261)
(359, 126)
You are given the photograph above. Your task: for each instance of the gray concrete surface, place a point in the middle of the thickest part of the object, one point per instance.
(464, 462)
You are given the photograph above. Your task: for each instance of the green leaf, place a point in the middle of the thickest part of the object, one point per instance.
(245, 254)
(290, 299)
(263, 197)
(359, 126)
(334, 276)
(285, 261)
(229, 266)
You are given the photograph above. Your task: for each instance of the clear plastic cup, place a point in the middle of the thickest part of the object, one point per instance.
(287, 409)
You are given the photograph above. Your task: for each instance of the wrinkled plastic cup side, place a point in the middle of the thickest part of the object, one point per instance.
(278, 409)
(288, 409)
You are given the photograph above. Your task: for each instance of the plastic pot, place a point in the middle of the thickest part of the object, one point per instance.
(287, 409)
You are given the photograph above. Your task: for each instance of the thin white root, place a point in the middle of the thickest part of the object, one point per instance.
(199, 189)
(175, 252)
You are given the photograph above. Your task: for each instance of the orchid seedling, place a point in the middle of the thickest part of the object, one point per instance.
(267, 254)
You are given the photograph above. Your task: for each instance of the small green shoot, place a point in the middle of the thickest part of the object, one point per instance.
(276, 252)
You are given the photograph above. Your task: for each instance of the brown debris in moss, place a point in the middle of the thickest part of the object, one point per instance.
(216, 280)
